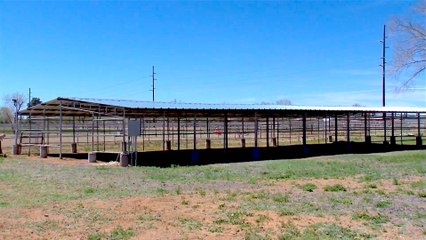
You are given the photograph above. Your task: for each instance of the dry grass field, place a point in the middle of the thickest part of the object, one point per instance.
(377, 196)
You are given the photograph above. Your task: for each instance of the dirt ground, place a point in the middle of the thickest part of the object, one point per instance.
(185, 215)
(193, 215)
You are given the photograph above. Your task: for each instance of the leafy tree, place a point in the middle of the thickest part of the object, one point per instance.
(34, 101)
(409, 58)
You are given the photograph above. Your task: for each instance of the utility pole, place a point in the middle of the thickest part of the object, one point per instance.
(383, 65)
(153, 84)
(29, 97)
(384, 81)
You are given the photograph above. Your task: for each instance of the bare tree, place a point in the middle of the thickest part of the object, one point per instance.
(6, 115)
(409, 33)
(282, 101)
(13, 104)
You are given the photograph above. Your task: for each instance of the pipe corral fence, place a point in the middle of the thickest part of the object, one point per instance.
(156, 133)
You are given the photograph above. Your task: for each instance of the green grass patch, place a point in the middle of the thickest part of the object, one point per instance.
(234, 218)
(102, 168)
(419, 184)
(335, 188)
(321, 231)
(361, 216)
(374, 219)
(286, 212)
(395, 181)
(382, 204)
(253, 234)
(341, 200)
(117, 234)
(33, 183)
(190, 224)
(308, 187)
(147, 217)
(4, 204)
(421, 194)
(89, 190)
(280, 198)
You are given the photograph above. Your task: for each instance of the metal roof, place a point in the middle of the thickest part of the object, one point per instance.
(230, 106)
(89, 106)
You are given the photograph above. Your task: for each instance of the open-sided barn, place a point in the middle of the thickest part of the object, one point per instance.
(159, 133)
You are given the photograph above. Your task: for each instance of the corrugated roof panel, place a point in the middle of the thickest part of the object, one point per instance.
(224, 106)
(51, 107)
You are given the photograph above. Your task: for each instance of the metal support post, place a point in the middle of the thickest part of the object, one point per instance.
(278, 133)
(267, 132)
(164, 132)
(225, 137)
(242, 127)
(60, 129)
(384, 129)
(393, 139)
(195, 132)
(273, 127)
(401, 132)
(419, 136)
(97, 132)
(335, 128)
(93, 131)
(256, 129)
(367, 137)
(348, 128)
(178, 133)
(123, 145)
(207, 128)
(304, 130)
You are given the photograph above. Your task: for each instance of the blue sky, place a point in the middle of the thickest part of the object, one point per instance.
(311, 52)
